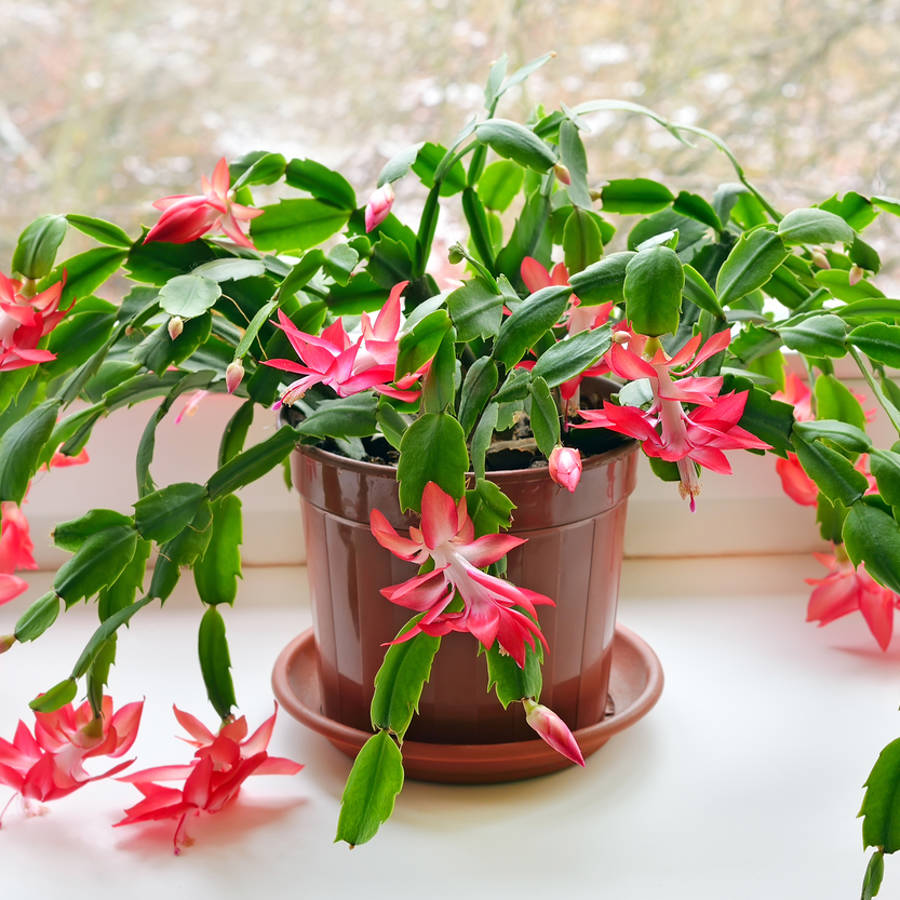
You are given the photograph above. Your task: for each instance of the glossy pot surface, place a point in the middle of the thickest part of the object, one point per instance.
(573, 554)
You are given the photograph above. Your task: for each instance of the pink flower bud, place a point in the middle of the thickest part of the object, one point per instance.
(175, 326)
(234, 374)
(379, 206)
(856, 275)
(820, 258)
(562, 173)
(565, 467)
(551, 728)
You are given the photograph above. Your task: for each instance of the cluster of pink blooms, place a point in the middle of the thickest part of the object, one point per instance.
(348, 366)
(49, 763)
(221, 764)
(845, 589)
(24, 321)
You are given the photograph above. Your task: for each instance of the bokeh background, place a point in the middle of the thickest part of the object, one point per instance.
(106, 105)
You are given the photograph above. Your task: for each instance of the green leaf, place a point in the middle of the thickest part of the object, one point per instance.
(235, 432)
(399, 164)
(183, 550)
(481, 438)
(215, 662)
(857, 211)
(164, 513)
(816, 336)
(489, 508)
(544, 416)
(439, 382)
(572, 355)
(98, 673)
(72, 534)
(374, 782)
(698, 291)
(874, 876)
(252, 464)
(582, 241)
(845, 435)
(323, 183)
(509, 681)
(631, 196)
(881, 824)
(433, 449)
(750, 265)
(479, 384)
(533, 318)
(834, 400)
(122, 591)
(419, 345)
(390, 262)
(653, 283)
(476, 310)
(20, 448)
(814, 226)
(514, 141)
(871, 536)
(864, 255)
(499, 184)
(528, 234)
(37, 246)
(84, 273)
(885, 465)
(516, 386)
(84, 332)
(103, 633)
(479, 228)
(189, 295)
(340, 262)
(391, 423)
(301, 273)
(217, 571)
(399, 682)
(695, 207)
(832, 472)
(227, 269)
(428, 159)
(573, 157)
(878, 341)
(525, 71)
(258, 167)
(158, 261)
(38, 617)
(296, 224)
(97, 563)
(352, 416)
(100, 230)
(786, 287)
(158, 351)
(57, 696)
(602, 281)
(770, 420)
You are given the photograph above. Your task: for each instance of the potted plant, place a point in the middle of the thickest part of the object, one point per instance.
(327, 309)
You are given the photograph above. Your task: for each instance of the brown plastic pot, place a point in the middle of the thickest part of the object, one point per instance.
(573, 554)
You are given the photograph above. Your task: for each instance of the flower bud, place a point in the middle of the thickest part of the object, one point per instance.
(819, 258)
(565, 467)
(234, 374)
(379, 206)
(855, 275)
(551, 729)
(562, 173)
(175, 326)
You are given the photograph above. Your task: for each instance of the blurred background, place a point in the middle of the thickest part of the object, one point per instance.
(106, 105)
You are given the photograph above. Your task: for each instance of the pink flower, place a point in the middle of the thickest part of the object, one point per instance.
(379, 206)
(797, 394)
(666, 431)
(16, 550)
(795, 482)
(190, 408)
(447, 537)
(845, 590)
(345, 366)
(221, 764)
(565, 467)
(186, 218)
(49, 764)
(24, 321)
(553, 730)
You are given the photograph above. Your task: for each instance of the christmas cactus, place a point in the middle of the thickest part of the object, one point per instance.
(340, 315)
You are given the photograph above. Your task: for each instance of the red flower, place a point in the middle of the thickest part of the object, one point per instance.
(16, 550)
(845, 590)
(221, 764)
(447, 537)
(49, 764)
(795, 482)
(24, 321)
(345, 366)
(186, 218)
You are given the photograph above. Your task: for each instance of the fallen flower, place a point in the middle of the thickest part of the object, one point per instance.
(845, 590)
(186, 218)
(446, 536)
(551, 729)
(221, 764)
(48, 764)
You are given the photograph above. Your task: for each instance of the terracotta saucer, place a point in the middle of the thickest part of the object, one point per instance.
(636, 681)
